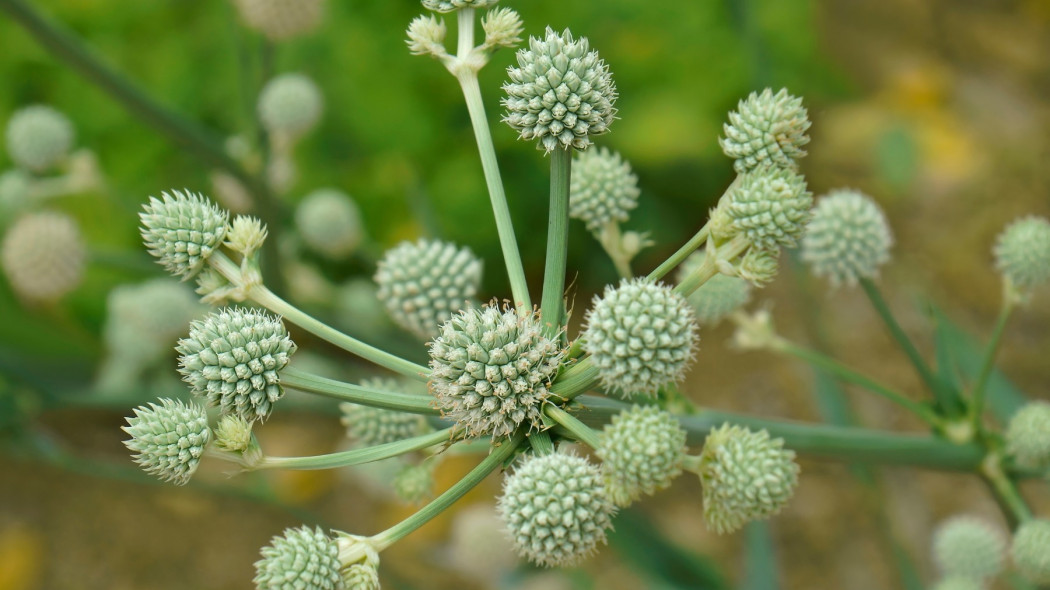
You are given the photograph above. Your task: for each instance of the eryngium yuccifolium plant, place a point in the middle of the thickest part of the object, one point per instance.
(181, 230)
(300, 558)
(376, 426)
(1022, 252)
(450, 5)
(290, 104)
(641, 336)
(1028, 435)
(43, 256)
(770, 206)
(556, 509)
(360, 576)
(1031, 550)
(602, 188)
(168, 439)
(969, 547)
(746, 476)
(642, 450)
(423, 283)
(281, 19)
(560, 94)
(720, 296)
(232, 358)
(765, 128)
(38, 137)
(847, 238)
(329, 223)
(492, 370)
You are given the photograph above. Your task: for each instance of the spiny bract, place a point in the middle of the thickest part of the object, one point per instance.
(642, 450)
(43, 256)
(233, 434)
(1022, 252)
(766, 127)
(370, 426)
(745, 475)
(302, 558)
(450, 5)
(492, 370)
(641, 336)
(847, 238)
(969, 547)
(329, 223)
(720, 296)
(38, 137)
(290, 104)
(1031, 550)
(759, 266)
(560, 94)
(168, 439)
(360, 576)
(423, 283)
(281, 19)
(602, 188)
(233, 357)
(1028, 435)
(770, 206)
(556, 509)
(181, 230)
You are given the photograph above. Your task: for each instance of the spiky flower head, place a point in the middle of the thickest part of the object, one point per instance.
(142, 320)
(720, 296)
(300, 558)
(38, 137)
(246, 235)
(43, 256)
(769, 206)
(958, 583)
(746, 476)
(560, 94)
(361, 576)
(1028, 435)
(168, 439)
(233, 433)
(556, 509)
(1031, 550)
(602, 188)
(426, 36)
(414, 483)
(969, 547)
(492, 370)
(766, 127)
(181, 230)
(423, 283)
(642, 450)
(502, 28)
(233, 358)
(1022, 252)
(281, 20)
(290, 104)
(759, 266)
(329, 223)
(451, 5)
(376, 426)
(847, 239)
(641, 336)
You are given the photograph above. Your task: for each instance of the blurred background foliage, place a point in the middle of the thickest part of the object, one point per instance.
(937, 109)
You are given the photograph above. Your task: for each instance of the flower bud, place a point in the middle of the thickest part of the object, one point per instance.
(769, 206)
(1028, 435)
(766, 127)
(39, 137)
(43, 256)
(426, 35)
(1022, 252)
(642, 450)
(246, 235)
(1031, 550)
(602, 188)
(290, 105)
(502, 28)
(181, 230)
(968, 547)
(300, 558)
(847, 239)
(168, 439)
(329, 223)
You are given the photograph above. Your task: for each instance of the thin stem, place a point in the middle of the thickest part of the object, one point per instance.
(980, 386)
(496, 458)
(557, 240)
(575, 380)
(541, 442)
(358, 456)
(708, 268)
(678, 257)
(347, 392)
(1005, 490)
(581, 431)
(611, 239)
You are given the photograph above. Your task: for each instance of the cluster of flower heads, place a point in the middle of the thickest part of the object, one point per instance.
(970, 553)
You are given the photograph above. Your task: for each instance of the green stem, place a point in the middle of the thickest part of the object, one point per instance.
(708, 268)
(575, 380)
(358, 456)
(496, 458)
(611, 239)
(980, 386)
(1005, 490)
(579, 430)
(678, 257)
(541, 442)
(557, 240)
(376, 398)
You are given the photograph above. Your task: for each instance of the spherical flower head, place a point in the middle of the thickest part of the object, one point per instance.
(1022, 252)
(142, 320)
(746, 476)
(43, 256)
(1031, 550)
(414, 483)
(426, 36)
(300, 558)
(968, 547)
(233, 358)
(556, 510)
(1028, 435)
(720, 296)
(329, 223)
(766, 128)
(602, 188)
(168, 439)
(641, 336)
(290, 104)
(770, 206)
(847, 238)
(759, 266)
(958, 583)
(361, 576)
(181, 230)
(38, 137)
(642, 450)
(502, 28)
(281, 20)
(451, 5)
(492, 370)
(423, 283)
(376, 426)
(560, 94)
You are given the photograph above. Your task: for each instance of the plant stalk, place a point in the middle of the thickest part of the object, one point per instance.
(358, 456)
(579, 430)
(551, 306)
(389, 400)
(980, 386)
